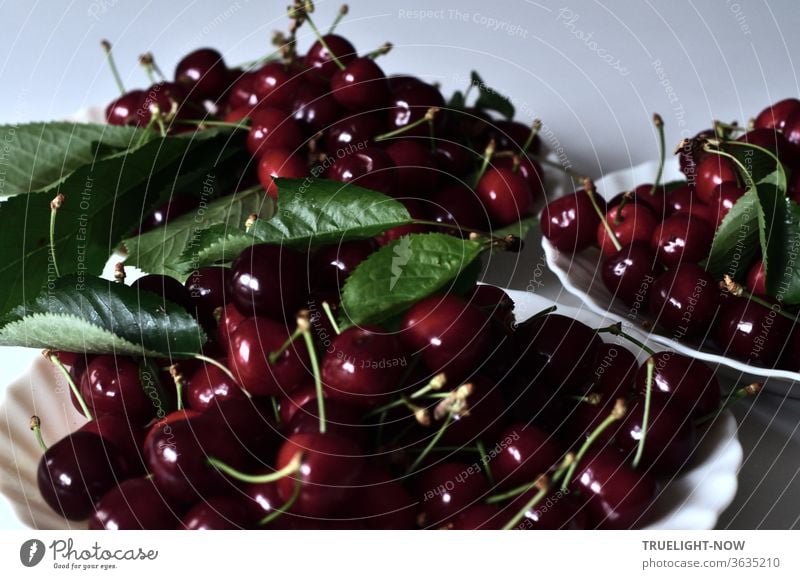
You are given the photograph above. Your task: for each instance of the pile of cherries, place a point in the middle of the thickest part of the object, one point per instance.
(654, 241)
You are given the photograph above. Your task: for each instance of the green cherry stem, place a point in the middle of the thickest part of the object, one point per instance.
(481, 449)
(739, 291)
(284, 507)
(276, 410)
(544, 487)
(662, 146)
(322, 41)
(55, 205)
(225, 370)
(36, 427)
(488, 153)
(616, 330)
(305, 329)
(50, 355)
(112, 65)
(429, 116)
(291, 468)
(177, 378)
(749, 391)
(146, 60)
(384, 48)
(343, 10)
(516, 491)
(535, 128)
(591, 193)
(648, 394)
(326, 307)
(431, 444)
(273, 356)
(436, 383)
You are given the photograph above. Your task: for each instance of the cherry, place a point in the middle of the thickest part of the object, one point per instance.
(124, 437)
(321, 60)
(684, 300)
(448, 333)
(363, 365)
(555, 512)
(415, 167)
(209, 384)
(272, 128)
(711, 171)
(688, 384)
(656, 200)
(791, 129)
(681, 199)
(76, 472)
(630, 222)
(447, 488)
(126, 110)
(771, 140)
(629, 274)
(314, 107)
(330, 464)
(415, 210)
(410, 103)
(250, 346)
(493, 300)
(241, 96)
(360, 86)
(352, 133)
(505, 195)
(751, 332)
(274, 85)
(384, 503)
(478, 516)
(527, 452)
(455, 159)
(670, 437)
(757, 279)
(219, 513)
(723, 198)
(679, 239)
(775, 116)
(332, 264)
(208, 288)
(279, 163)
(264, 499)
(457, 205)
(111, 385)
(203, 73)
(618, 497)
(250, 422)
(401, 81)
(136, 504)
(267, 281)
(164, 98)
(570, 222)
(530, 170)
(229, 320)
(341, 418)
(484, 416)
(368, 167)
(700, 211)
(511, 136)
(177, 455)
(691, 153)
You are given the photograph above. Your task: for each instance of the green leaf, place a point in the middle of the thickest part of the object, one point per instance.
(92, 315)
(491, 100)
(218, 244)
(37, 156)
(457, 101)
(189, 241)
(736, 242)
(520, 228)
(322, 212)
(403, 272)
(103, 201)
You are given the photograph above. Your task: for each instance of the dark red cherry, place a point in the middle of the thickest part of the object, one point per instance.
(330, 464)
(771, 140)
(165, 98)
(756, 279)
(446, 489)
(208, 290)
(126, 438)
(410, 103)
(448, 333)
(629, 273)
(791, 129)
(700, 211)
(680, 239)
(511, 136)
(527, 451)
(229, 320)
(554, 512)
(203, 73)
(688, 384)
(570, 222)
(453, 158)
(111, 385)
(250, 422)
(505, 195)
(76, 472)
(314, 107)
(368, 167)
(136, 504)
(272, 128)
(457, 206)
(127, 109)
(711, 171)
(684, 300)
(384, 503)
(268, 280)
(619, 497)
(492, 300)
(320, 59)
(264, 499)
(360, 86)
(775, 116)
(332, 264)
(363, 365)
(751, 332)
(630, 223)
(723, 198)
(530, 170)
(209, 384)
(485, 415)
(656, 200)
(275, 84)
(691, 153)
(341, 418)
(219, 513)
(279, 163)
(416, 169)
(241, 96)
(250, 346)
(352, 133)
(680, 198)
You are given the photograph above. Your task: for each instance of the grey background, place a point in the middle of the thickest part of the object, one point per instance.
(594, 72)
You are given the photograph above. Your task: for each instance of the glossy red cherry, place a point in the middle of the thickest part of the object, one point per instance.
(457, 206)
(486, 413)
(332, 264)
(352, 133)
(203, 73)
(279, 163)
(314, 107)
(774, 141)
(415, 170)
(527, 452)
(684, 300)
(76, 472)
(530, 170)
(453, 158)
(751, 332)
(127, 109)
(360, 86)
(321, 60)
(268, 281)
(273, 128)
(681, 198)
(629, 273)
(775, 116)
(711, 171)
(410, 103)
(208, 290)
(384, 503)
(111, 385)
(135, 504)
(219, 513)
(756, 279)
(241, 95)
(330, 464)
(274, 84)
(570, 222)
(686, 383)
(630, 222)
(208, 385)
(448, 333)
(368, 167)
(511, 136)
(680, 239)
(446, 489)
(126, 438)
(229, 320)
(505, 195)
(791, 129)
(723, 198)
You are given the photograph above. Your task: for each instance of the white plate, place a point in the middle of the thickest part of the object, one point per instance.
(580, 276)
(693, 500)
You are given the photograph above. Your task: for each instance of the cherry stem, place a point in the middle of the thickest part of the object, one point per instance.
(430, 114)
(436, 383)
(616, 330)
(648, 394)
(720, 128)
(488, 153)
(535, 128)
(291, 468)
(322, 41)
(481, 449)
(591, 193)
(177, 378)
(331, 318)
(384, 48)
(617, 413)
(516, 491)
(273, 356)
(112, 65)
(343, 10)
(224, 369)
(146, 133)
(545, 488)
(739, 291)
(304, 328)
(748, 178)
(276, 411)
(751, 390)
(284, 507)
(55, 205)
(662, 147)
(146, 61)
(36, 427)
(627, 196)
(433, 442)
(74, 387)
